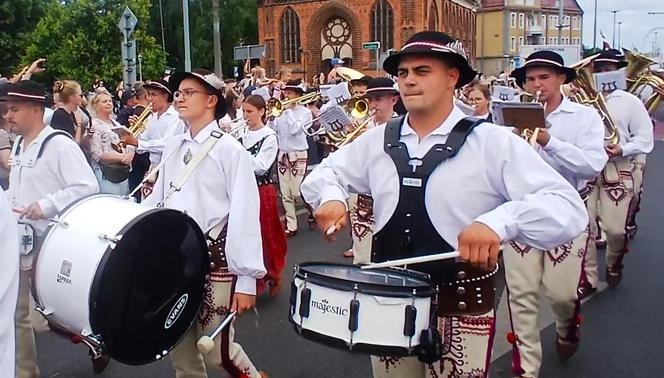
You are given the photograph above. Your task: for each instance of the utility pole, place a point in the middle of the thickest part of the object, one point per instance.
(161, 20)
(560, 25)
(619, 44)
(595, 28)
(613, 43)
(216, 38)
(187, 47)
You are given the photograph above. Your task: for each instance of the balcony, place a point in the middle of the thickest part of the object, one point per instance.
(534, 30)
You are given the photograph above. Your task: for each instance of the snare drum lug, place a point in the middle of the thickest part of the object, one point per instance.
(56, 220)
(113, 240)
(43, 311)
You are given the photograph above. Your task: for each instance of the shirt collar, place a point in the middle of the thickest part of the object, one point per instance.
(444, 129)
(46, 131)
(203, 134)
(566, 106)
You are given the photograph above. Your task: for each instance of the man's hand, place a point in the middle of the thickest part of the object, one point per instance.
(660, 89)
(132, 120)
(129, 140)
(479, 245)
(32, 212)
(613, 150)
(242, 302)
(331, 217)
(543, 136)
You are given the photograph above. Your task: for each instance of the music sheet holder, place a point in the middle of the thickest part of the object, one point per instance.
(522, 115)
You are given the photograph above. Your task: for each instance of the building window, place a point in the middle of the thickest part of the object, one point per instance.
(543, 21)
(433, 17)
(552, 40)
(512, 43)
(513, 20)
(289, 32)
(521, 20)
(382, 24)
(520, 42)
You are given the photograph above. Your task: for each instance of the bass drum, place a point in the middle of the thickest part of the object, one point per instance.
(126, 277)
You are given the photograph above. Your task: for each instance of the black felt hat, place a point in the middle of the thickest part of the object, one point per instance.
(611, 56)
(211, 82)
(380, 86)
(549, 59)
(25, 90)
(294, 85)
(434, 43)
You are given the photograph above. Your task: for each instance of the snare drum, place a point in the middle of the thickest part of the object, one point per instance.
(378, 311)
(125, 277)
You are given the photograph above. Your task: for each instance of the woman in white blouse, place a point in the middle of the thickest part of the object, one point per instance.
(261, 142)
(110, 166)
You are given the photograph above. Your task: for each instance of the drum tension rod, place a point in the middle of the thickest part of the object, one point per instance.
(56, 220)
(113, 240)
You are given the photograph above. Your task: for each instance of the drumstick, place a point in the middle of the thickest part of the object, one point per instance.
(333, 228)
(412, 260)
(206, 343)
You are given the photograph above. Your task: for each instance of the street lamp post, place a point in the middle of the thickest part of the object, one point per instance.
(619, 44)
(595, 28)
(187, 47)
(613, 43)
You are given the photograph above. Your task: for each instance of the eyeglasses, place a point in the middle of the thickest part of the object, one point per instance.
(185, 93)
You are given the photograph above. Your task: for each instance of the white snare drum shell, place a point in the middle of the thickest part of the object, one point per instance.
(380, 319)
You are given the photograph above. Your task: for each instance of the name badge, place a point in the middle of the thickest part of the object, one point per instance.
(414, 182)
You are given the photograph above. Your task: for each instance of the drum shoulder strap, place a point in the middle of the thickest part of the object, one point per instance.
(16, 150)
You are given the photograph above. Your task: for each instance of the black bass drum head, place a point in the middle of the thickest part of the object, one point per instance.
(148, 290)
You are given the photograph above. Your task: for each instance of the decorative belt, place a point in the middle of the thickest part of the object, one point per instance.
(217, 252)
(473, 292)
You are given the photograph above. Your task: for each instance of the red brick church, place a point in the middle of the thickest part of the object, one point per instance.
(305, 35)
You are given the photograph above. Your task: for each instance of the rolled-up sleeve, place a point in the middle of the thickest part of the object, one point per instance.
(244, 248)
(542, 210)
(77, 177)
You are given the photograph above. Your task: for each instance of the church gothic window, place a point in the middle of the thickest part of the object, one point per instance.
(289, 32)
(336, 39)
(433, 17)
(382, 24)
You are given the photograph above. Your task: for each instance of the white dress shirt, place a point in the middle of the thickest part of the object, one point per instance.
(576, 148)
(288, 127)
(267, 155)
(158, 131)
(59, 177)
(222, 189)
(9, 256)
(633, 122)
(496, 179)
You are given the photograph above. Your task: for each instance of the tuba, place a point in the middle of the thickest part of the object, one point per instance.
(639, 77)
(587, 94)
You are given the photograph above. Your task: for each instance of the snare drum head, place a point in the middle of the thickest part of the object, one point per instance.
(148, 290)
(388, 282)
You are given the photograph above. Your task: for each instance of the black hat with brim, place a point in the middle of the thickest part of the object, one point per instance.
(211, 82)
(380, 86)
(612, 56)
(436, 44)
(25, 91)
(549, 59)
(294, 85)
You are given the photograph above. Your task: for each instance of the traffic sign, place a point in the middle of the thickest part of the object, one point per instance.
(128, 21)
(375, 45)
(249, 52)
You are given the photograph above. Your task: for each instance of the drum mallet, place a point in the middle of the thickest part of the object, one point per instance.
(206, 343)
(412, 260)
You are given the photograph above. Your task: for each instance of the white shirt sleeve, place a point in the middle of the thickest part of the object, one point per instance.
(78, 180)
(542, 210)
(266, 156)
(642, 139)
(586, 157)
(9, 272)
(156, 145)
(244, 248)
(343, 171)
(296, 119)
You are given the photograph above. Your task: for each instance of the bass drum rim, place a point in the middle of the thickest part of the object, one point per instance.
(96, 288)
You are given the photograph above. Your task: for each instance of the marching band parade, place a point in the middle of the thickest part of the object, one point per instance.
(185, 197)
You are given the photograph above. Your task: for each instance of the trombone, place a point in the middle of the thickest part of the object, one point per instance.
(355, 107)
(275, 106)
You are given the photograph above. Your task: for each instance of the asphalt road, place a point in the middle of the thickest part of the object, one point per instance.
(622, 334)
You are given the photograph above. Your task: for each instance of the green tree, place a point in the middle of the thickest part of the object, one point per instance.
(238, 23)
(17, 18)
(81, 41)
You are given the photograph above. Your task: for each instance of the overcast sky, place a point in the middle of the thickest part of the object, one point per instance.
(636, 22)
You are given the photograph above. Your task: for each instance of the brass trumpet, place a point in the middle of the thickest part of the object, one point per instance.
(275, 106)
(237, 128)
(141, 123)
(357, 108)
